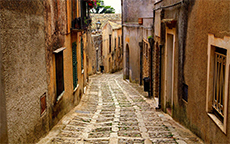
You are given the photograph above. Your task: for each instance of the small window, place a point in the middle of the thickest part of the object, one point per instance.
(115, 43)
(110, 43)
(59, 73)
(218, 80)
(82, 54)
(145, 48)
(119, 42)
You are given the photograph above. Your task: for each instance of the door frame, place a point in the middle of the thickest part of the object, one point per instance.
(172, 32)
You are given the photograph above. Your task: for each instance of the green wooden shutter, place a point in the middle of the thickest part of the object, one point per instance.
(82, 57)
(74, 55)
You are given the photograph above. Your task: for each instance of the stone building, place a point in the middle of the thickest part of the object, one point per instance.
(112, 47)
(103, 18)
(23, 72)
(97, 45)
(43, 69)
(95, 52)
(190, 60)
(193, 38)
(136, 46)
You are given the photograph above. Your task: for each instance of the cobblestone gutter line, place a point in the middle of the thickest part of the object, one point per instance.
(113, 135)
(90, 127)
(138, 114)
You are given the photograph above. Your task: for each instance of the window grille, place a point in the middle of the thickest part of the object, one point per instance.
(219, 83)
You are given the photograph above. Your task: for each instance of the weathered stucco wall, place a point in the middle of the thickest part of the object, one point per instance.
(96, 53)
(118, 58)
(106, 31)
(55, 27)
(3, 120)
(91, 55)
(205, 17)
(194, 21)
(23, 68)
(134, 9)
(132, 37)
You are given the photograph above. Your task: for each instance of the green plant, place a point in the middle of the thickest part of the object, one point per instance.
(99, 8)
(150, 37)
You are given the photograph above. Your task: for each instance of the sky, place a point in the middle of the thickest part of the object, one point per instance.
(116, 4)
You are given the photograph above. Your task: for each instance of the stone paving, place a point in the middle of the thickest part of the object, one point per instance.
(114, 111)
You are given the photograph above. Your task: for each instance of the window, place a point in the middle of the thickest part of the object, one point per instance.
(82, 54)
(218, 80)
(119, 44)
(74, 57)
(145, 48)
(115, 43)
(59, 72)
(110, 43)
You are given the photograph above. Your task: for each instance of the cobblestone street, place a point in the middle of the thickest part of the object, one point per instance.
(117, 112)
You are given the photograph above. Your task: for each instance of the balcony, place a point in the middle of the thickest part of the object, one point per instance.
(81, 23)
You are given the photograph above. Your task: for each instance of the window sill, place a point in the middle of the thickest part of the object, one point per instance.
(82, 71)
(217, 122)
(60, 97)
(185, 101)
(158, 2)
(59, 50)
(76, 88)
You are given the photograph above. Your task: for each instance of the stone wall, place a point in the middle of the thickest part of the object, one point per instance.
(97, 45)
(134, 9)
(3, 120)
(104, 18)
(23, 71)
(193, 22)
(204, 17)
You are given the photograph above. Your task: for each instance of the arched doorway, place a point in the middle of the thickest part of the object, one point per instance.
(127, 61)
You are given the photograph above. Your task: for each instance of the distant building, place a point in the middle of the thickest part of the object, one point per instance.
(137, 27)
(112, 46)
(96, 55)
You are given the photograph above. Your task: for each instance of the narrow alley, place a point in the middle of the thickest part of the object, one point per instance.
(114, 111)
